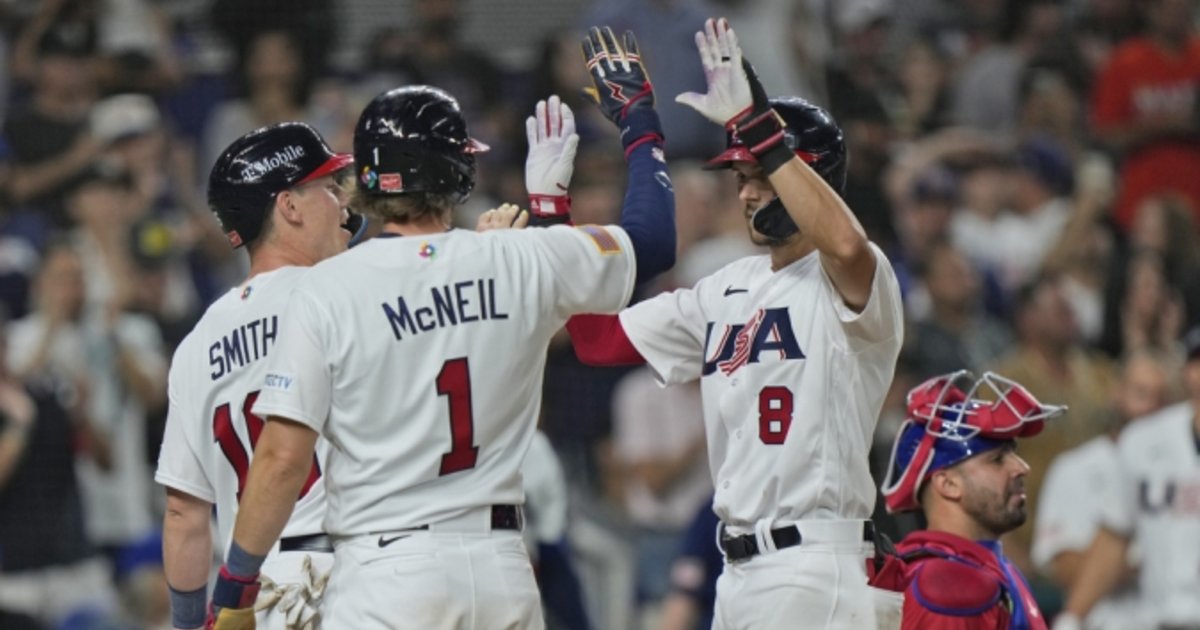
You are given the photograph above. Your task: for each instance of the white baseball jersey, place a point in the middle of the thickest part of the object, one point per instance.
(1070, 509)
(1159, 506)
(215, 377)
(792, 381)
(420, 359)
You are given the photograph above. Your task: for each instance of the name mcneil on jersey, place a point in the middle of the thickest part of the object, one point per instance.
(242, 346)
(286, 155)
(770, 329)
(448, 305)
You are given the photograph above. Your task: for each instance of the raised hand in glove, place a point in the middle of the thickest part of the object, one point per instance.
(232, 606)
(551, 160)
(621, 86)
(736, 98)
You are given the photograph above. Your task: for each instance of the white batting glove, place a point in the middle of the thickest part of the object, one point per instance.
(551, 161)
(728, 95)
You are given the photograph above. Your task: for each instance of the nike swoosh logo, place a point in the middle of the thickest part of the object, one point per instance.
(729, 290)
(383, 542)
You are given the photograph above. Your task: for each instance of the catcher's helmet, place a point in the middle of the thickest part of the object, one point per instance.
(946, 425)
(261, 164)
(814, 136)
(414, 139)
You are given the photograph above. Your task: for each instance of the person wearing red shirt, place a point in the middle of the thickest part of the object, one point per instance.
(1146, 107)
(955, 460)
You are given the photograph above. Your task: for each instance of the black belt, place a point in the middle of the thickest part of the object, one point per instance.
(311, 542)
(503, 517)
(746, 546)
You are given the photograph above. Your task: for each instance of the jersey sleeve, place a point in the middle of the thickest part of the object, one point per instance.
(1066, 513)
(178, 465)
(668, 330)
(882, 318)
(1120, 511)
(591, 267)
(299, 381)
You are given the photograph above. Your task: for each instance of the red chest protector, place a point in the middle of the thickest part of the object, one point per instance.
(952, 583)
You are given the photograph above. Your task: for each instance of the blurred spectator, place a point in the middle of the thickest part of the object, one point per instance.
(1101, 25)
(1050, 361)
(857, 77)
(275, 86)
(658, 443)
(1080, 481)
(1037, 194)
(1165, 225)
(666, 32)
(1144, 107)
(694, 572)
(546, 513)
(49, 135)
(115, 364)
(47, 566)
(1051, 105)
(313, 24)
(957, 333)
(137, 55)
(1151, 312)
(986, 86)
(923, 78)
(1154, 506)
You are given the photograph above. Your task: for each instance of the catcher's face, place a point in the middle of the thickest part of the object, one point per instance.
(994, 489)
(754, 191)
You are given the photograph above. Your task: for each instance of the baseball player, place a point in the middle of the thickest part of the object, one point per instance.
(276, 192)
(1079, 486)
(419, 356)
(955, 460)
(794, 351)
(1158, 506)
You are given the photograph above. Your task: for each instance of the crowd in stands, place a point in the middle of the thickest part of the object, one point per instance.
(1031, 167)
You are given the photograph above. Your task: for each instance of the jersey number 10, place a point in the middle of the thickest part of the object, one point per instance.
(231, 445)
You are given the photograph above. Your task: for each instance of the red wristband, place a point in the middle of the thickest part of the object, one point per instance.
(549, 205)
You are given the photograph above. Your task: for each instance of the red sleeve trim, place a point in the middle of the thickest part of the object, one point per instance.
(600, 340)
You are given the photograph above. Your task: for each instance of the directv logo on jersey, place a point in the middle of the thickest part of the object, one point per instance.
(258, 168)
(278, 381)
(769, 329)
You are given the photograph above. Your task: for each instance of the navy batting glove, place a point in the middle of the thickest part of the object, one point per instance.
(233, 600)
(760, 127)
(621, 86)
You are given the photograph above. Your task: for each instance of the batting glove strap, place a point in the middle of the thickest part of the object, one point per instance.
(234, 591)
(549, 205)
(764, 136)
(639, 126)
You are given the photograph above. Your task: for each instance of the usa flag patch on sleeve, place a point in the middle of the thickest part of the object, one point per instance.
(604, 240)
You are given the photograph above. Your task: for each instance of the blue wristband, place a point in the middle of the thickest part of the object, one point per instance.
(188, 607)
(242, 563)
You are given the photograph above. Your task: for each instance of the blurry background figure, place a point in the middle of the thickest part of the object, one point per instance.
(693, 596)
(114, 365)
(48, 569)
(1079, 484)
(546, 514)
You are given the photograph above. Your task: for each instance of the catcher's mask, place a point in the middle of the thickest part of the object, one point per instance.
(814, 136)
(947, 423)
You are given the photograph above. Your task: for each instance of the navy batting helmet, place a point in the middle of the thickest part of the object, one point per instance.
(814, 136)
(261, 164)
(414, 139)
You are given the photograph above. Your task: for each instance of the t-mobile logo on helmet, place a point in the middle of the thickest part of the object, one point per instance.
(286, 155)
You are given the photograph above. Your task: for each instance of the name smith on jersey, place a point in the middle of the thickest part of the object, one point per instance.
(242, 346)
(448, 305)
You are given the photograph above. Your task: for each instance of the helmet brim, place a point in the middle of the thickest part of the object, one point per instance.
(736, 153)
(335, 163)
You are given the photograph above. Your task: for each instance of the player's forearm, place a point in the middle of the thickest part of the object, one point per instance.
(1065, 568)
(187, 542)
(648, 214)
(1102, 569)
(824, 218)
(281, 463)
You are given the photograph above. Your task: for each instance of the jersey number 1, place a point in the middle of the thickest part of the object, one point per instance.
(231, 445)
(454, 382)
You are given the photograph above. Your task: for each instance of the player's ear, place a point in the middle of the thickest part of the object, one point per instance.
(285, 208)
(947, 484)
